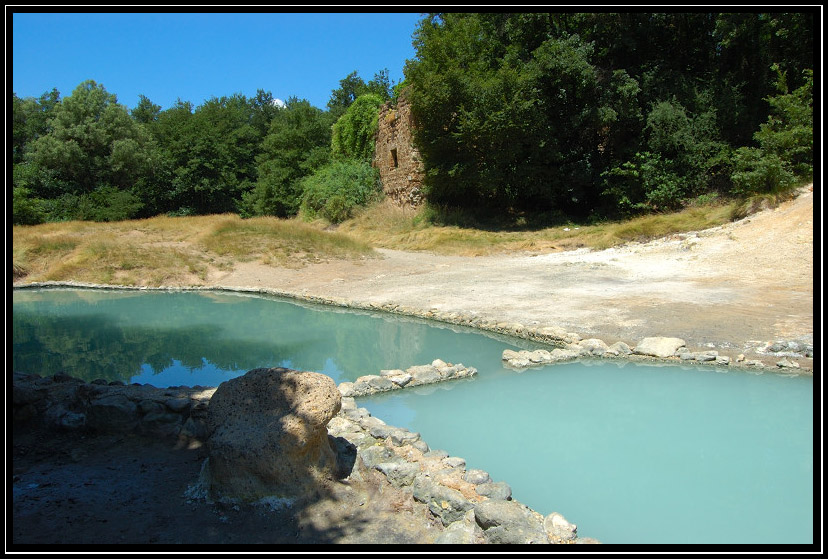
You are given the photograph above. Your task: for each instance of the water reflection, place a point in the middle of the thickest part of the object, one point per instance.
(172, 338)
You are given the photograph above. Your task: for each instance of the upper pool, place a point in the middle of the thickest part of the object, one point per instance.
(630, 453)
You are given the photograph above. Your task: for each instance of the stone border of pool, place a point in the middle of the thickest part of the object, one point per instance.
(780, 352)
(470, 505)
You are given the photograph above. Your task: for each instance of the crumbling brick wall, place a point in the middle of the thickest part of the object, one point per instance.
(398, 161)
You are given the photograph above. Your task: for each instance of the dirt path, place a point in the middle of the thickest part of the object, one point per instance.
(735, 286)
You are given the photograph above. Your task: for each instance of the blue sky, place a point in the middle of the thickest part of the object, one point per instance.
(196, 56)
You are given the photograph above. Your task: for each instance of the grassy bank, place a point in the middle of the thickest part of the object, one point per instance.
(384, 225)
(184, 250)
(169, 250)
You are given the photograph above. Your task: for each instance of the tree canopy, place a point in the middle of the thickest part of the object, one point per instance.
(589, 114)
(586, 115)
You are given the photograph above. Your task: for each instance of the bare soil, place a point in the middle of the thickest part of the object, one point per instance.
(737, 286)
(130, 492)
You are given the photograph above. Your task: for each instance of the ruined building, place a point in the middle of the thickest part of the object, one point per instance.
(398, 161)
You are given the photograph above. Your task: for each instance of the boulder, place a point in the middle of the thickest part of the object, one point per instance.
(594, 346)
(509, 522)
(112, 413)
(619, 348)
(268, 435)
(444, 502)
(658, 346)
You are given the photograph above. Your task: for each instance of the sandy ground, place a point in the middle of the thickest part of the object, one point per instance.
(735, 286)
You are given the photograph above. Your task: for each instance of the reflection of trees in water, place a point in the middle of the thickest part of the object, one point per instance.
(95, 346)
(111, 335)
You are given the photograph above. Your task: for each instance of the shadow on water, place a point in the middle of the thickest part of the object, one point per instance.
(96, 346)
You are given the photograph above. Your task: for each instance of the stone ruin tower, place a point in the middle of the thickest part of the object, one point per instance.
(400, 168)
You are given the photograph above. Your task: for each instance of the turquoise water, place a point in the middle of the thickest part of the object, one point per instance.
(634, 454)
(629, 453)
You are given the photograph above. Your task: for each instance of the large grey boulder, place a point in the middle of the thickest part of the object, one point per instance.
(268, 435)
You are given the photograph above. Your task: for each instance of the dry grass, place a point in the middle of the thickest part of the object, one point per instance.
(167, 251)
(184, 250)
(387, 226)
(277, 242)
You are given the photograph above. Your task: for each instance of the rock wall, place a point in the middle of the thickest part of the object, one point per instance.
(398, 161)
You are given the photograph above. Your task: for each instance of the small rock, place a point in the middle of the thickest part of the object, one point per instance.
(786, 363)
(477, 477)
(559, 528)
(620, 348)
(498, 490)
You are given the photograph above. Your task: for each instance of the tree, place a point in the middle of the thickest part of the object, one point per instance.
(145, 111)
(93, 153)
(352, 86)
(747, 46)
(506, 116)
(210, 151)
(297, 143)
(786, 143)
(30, 120)
(92, 141)
(789, 130)
(264, 109)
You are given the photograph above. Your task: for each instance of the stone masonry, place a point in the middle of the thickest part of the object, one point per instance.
(395, 156)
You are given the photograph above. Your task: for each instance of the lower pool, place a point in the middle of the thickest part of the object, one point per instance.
(630, 453)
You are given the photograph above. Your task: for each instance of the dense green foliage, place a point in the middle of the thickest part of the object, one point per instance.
(352, 86)
(604, 114)
(337, 188)
(297, 143)
(354, 132)
(583, 115)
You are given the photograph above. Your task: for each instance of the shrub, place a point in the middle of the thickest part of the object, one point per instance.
(644, 184)
(25, 209)
(756, 171)
(333, 191)
(353, 134)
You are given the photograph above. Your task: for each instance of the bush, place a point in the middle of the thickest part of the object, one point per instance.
(758, 172)
(644, 184)
(333, 191)
(25, 209)
(353, 134)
